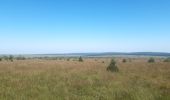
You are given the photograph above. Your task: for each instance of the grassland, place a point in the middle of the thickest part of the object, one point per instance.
(88, 80)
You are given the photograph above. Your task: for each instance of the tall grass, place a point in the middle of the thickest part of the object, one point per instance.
(89, 80)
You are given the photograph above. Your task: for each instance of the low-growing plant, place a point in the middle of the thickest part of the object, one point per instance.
(151, 60)
(0, 59)
(112, 67)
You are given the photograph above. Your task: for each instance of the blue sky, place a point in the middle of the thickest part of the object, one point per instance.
(65, 26)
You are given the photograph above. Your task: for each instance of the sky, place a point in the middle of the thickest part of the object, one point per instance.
(79, 26)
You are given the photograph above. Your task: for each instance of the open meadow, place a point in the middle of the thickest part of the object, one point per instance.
(38, 79)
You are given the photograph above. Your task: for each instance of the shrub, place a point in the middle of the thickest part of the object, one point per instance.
(151, 60)
(167, 60)
(0, 59)
(11, 58)
(80, 59)
(112, 67)
(124, 60)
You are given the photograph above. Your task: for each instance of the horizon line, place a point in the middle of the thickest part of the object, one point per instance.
(67, 53)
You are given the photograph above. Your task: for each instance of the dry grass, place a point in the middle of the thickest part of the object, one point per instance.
(88, 80)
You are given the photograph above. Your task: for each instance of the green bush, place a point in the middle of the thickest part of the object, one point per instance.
(124, 60)
(112, 67)
(0, 59)
(151, 60)
(80, 59)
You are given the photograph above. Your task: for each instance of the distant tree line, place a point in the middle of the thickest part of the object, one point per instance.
(80, 59)
(7, 58)
(11, 58)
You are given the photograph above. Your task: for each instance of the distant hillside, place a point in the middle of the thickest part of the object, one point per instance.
(132, 53)
(105, 54)
(114, 54)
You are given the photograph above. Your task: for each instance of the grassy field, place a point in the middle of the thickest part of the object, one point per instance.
(88, 80)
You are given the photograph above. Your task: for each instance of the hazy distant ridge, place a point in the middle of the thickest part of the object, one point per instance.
(115, 53)
(132, 53)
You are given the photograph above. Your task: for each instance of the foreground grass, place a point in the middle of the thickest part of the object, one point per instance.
(88, 80)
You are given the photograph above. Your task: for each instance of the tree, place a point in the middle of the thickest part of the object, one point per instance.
(151, 60)
(112, 67)
(80, 59)
(11, 58)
